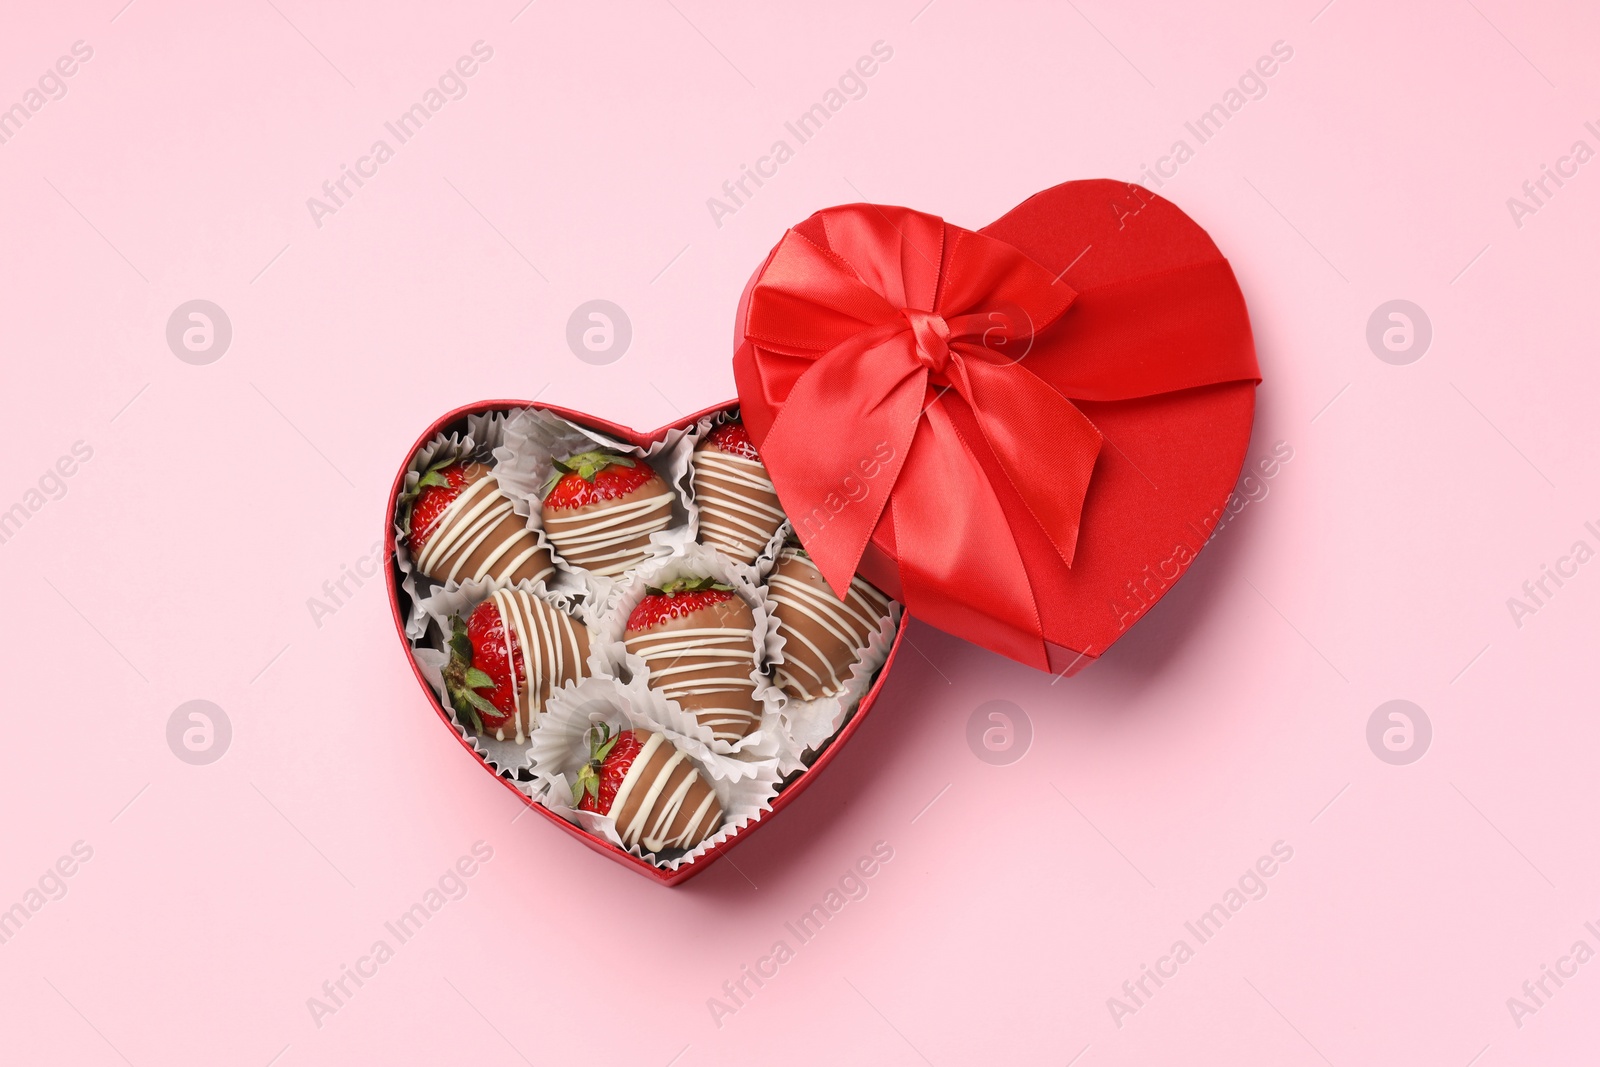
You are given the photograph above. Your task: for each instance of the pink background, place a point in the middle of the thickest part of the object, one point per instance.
(219, 498)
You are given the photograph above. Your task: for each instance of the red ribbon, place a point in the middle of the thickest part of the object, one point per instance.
(869, 329)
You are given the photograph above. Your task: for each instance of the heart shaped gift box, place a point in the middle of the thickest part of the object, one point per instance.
(934, 407)
(410, 622)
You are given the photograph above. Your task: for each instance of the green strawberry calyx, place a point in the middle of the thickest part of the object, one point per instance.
(601, 742)
(586, 465)
(462, 680)
(687, 585)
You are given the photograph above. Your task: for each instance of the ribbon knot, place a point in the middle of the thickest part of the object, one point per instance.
(932, 336)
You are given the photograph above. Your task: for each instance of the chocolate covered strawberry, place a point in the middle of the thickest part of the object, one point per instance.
(655, 794)
(507, 657)
(602, 507)
(697, 638)
(739, 509)
(459, 526)
(823, 636)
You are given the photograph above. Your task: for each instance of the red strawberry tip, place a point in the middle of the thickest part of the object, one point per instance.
(592, 477)
(435, 489)
(676, 598)
(587, 464)
(733, 438)
(433, 476)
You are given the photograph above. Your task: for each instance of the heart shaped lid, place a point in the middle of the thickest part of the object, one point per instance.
(1025, 433)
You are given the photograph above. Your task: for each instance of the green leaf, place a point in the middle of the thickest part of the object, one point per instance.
(460, 644)
(459, 701)
(692, 585)
(586, 782)
(588, 464)
(480, 703)
(433, 477)
(478, 679)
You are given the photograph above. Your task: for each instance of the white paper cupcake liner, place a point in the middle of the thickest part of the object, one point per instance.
(534, 439)
(561, 747)
(560, 744)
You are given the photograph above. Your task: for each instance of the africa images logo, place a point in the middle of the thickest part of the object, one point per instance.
(52, 485)
(1250, 886)
(852, 85)
(850, 887)
(451, 886)
(451, 85)
(1141, 591)
(1539, 591)
(1251, 85)
(51, 85)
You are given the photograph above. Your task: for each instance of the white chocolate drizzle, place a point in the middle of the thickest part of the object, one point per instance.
(550, 656)
(600, 540)
(671, 655)
(734, 494)
(656, 813)
(465, 524)
(850, 621)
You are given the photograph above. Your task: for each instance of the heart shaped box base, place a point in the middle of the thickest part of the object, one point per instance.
(398, 603)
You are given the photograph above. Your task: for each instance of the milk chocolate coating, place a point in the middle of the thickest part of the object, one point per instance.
(584, 540)
(469, 553)
(739, 510)
(823, 636)
(552, 650)
(711, 679)
(664, 800)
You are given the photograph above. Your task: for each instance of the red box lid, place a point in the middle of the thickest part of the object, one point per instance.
(1151, 288)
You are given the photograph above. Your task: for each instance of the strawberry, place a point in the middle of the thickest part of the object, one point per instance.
(601, 510)
(481, 539)
(697, 640)
(477, 665)
(438, 486)
(592, 477)
(609, 760)
(512, 652)
(739, 507)
(653, 791)
(732, 438)
(677, 598)
(823, 635)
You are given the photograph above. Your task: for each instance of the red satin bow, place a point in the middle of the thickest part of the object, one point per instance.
(867, 322)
